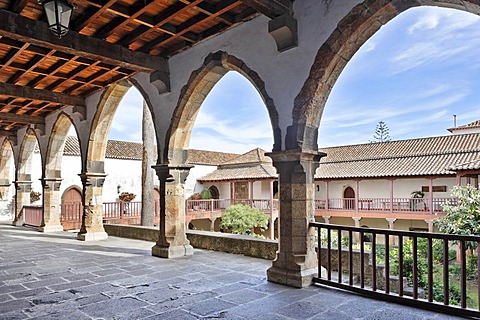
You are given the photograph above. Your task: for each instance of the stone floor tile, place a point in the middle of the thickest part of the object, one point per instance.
(210, 306)
(13, 315)
(31, 292)
(301, 310)
(174, 315)
(110, 308)
(243, 296)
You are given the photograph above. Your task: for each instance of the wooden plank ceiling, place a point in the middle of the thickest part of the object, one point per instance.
(40, 74)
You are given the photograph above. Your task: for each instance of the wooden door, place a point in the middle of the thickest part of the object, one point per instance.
(72, 209)
(349, 198)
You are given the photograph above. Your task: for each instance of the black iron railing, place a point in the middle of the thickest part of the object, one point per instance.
(428, 270)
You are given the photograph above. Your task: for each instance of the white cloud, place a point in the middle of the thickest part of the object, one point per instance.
(429, 21)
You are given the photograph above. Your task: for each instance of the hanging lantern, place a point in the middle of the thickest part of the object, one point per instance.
(58, 14)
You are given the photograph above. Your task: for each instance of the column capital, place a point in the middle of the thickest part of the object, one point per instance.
(295, 155)
(94, 179)
(51, 183)
(172, 173)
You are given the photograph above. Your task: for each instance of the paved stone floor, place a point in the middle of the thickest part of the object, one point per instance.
(54, 276)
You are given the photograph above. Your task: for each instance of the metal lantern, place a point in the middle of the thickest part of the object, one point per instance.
(58, 15)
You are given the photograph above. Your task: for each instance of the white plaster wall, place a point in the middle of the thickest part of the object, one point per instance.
(191, 184)
(402, 188)
(252, 43)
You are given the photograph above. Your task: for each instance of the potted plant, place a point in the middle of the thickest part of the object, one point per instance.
(415, 203)
(195, 196)
(34, 196)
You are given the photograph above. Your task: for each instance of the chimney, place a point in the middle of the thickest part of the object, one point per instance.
(454, 120)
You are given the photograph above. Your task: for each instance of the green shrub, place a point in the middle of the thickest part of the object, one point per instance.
(205, 194)
(243, 219)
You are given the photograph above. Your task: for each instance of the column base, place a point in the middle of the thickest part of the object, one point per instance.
(92, 236)
(18, 223)
(297, 279)
(172, 251)
(49, 229)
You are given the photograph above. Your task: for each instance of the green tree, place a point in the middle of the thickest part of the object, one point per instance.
(463, 216)
(243, 219)
(381, 133)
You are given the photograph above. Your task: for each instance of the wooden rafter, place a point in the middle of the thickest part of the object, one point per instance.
(40, 95)
(21, 118)
(13, 26)
(271, 8)
(188, 25)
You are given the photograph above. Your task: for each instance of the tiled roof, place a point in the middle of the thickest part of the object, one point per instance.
(251, 165)
(253, 156)
(133, 151)
(473, 165)
(414, 157)
(209, 157)
(471, 125)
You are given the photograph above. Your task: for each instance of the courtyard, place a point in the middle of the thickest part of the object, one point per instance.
(54, 276)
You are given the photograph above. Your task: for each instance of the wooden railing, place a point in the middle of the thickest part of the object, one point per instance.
(412, 268)
(222, 204)
(122, 210)
(384, 204)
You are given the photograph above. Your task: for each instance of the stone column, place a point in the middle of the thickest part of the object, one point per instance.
(51, 205)
(172, 241)
(356, 235)
(22, 198)
(92, 219)
(430, 225)
(327, 219)
(296, 261)
(391, 226)
(148, 136)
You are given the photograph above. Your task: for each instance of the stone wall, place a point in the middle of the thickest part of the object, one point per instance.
(230, 243)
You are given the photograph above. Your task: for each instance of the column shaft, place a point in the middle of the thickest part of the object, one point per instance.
(296, 261)
(172, 241)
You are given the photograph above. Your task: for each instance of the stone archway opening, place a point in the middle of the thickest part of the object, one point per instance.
(7, 176)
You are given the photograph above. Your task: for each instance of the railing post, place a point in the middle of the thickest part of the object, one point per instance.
(122, 207)
(211, 205)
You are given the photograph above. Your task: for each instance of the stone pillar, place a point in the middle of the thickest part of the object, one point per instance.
(356, 235)
(212, 224)
(51, 205)
(327, 219)
(22, 198)
(148, 136)
(430, 225)
(391, 226)
(172, 241)
(92, 219)
(296, 261)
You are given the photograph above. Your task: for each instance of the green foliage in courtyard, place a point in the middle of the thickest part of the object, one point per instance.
(463, 217)
(205, 194)
(242, 219)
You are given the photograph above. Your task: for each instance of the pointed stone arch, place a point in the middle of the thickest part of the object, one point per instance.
(97, 143)
(364, 20)
(25, 156)
(56, 145)
(192, 95)
(6, 162)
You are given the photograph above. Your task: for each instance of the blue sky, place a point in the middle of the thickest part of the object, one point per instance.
(414, 74)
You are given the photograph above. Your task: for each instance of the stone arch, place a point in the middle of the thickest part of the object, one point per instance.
(192, 95)
(363, 21)
(97, 143)
(56, 144)
(25, 156)
(6, 161)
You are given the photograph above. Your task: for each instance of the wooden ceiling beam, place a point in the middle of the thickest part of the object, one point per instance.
(21, 118)
(271, 8)
(17, 6)
(220, 8)
(23, 29)
(40, 95)
(90, 14)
